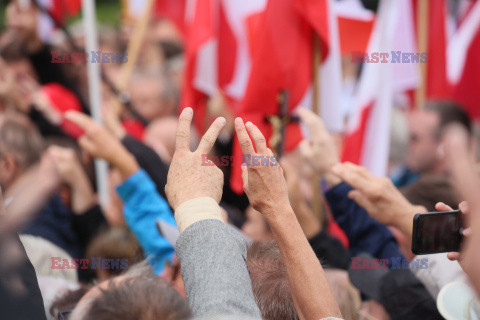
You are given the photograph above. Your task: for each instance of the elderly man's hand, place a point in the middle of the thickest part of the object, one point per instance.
(263, 179)
(377, 195)
(319, 151)
(190, 176)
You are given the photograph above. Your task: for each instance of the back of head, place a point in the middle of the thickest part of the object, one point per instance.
(270, 281)
(136, 295)
(450, 113)
(19, 137)
(347, 296)
(115, 243)
(430, 189)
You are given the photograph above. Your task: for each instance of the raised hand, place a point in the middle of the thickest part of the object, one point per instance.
(72, 173)
(319, 151)
(379, 197)
(98, 142)
(66, 163)
(267, 191)
(188, 177)
(263, 179)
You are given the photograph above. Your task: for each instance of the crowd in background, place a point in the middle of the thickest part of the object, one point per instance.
(268, 253)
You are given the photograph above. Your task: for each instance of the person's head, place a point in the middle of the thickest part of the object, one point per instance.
(256, 227)
(430, 189)
(426, 127)
(116, 243)
(16, 57)
(67, 301)
(160, 136)
(21, 146)
(347, 296)
(152, 95)
(270, 281)
(138, 294)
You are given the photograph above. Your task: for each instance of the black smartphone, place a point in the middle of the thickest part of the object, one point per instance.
(436, 232)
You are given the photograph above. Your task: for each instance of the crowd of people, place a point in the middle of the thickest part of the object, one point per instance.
(174, 241)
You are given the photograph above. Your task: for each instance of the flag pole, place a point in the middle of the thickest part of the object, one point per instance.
(134, 45)
(133, 50)
(422, 46)
(94, 86)
(317, 201)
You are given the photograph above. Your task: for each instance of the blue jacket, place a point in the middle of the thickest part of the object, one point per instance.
(364, 233)
(143, 206)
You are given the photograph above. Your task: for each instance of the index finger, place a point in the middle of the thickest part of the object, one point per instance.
(243, 138)
(209, 138)
(182, 141)
(258, 138)
(351, 174)
(80, 119)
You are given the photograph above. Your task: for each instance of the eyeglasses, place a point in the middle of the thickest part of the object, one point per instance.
(64, 315)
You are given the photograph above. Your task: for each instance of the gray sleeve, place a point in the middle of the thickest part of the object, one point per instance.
(213, 262)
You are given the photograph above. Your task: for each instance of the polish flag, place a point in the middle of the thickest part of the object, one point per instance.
(463, 62)
(453, 51)
(219, 41)
(355, 25)
(173, 10)
(282, 60)
(238, 31)
(368, 135)
(200, 78)
(436, 77)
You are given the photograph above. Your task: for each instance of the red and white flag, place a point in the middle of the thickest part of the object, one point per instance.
(453, 51)
(283, 60)
(367, 140)
(355, 25)
(200, 77)
(173, 10)
(220, 35)
(463, 61)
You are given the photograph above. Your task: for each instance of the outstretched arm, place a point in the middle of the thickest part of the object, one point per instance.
(143, 206)
(266, 189)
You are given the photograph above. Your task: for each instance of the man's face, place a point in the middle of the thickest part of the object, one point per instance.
(147, 101)
(255, 227)
(423, 143)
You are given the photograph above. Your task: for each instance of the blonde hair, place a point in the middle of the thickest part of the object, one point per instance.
(347, 296)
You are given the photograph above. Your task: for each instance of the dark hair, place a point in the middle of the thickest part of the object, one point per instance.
(270, 281)
(450, 113)
(430, 189)
(14, 51)
(146, 298)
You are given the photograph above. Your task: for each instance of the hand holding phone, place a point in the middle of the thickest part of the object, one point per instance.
(437, 232)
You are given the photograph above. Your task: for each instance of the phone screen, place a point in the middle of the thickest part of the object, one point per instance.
(437, 232)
